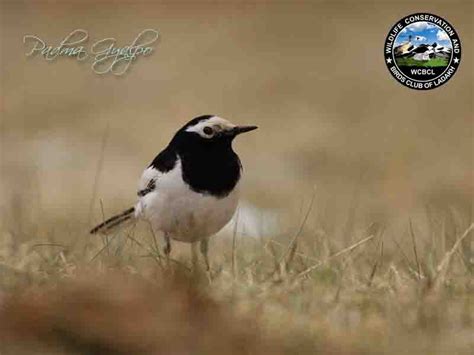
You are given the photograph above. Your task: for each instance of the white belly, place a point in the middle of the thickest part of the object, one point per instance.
(182, 214)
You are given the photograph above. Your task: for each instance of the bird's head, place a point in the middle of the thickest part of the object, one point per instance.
(210, 130)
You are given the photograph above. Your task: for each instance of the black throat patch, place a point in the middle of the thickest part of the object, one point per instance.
(209, 166)
(213, 172)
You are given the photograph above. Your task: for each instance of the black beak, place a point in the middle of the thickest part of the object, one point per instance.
(242, 129)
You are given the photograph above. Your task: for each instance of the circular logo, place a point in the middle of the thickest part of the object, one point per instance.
(422, 51)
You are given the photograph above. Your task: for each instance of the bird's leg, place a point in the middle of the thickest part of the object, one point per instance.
(194, 256)
(204, 247)
(167, 249)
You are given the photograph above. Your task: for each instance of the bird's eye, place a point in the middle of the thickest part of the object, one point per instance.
(208, 130)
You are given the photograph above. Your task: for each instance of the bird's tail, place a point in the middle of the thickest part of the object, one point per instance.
(114, 222)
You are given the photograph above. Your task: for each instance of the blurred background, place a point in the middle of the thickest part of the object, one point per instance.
(340, 142)
(310, 74)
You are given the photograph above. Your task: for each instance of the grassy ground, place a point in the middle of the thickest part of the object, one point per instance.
(410, 62)
(300, 293)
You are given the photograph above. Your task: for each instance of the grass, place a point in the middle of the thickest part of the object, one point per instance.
(387, 291)
(410, 62)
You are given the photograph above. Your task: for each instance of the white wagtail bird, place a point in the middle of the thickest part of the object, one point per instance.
(189, 191)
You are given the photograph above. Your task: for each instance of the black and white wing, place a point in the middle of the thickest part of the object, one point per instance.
(148, 181)
(163, 162)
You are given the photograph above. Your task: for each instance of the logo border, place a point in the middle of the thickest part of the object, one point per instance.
(456, 35)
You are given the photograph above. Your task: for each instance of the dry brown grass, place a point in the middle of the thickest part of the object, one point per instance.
(126, 314)
(365, 298)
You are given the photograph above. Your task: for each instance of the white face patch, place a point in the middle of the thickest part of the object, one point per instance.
(208, 128)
